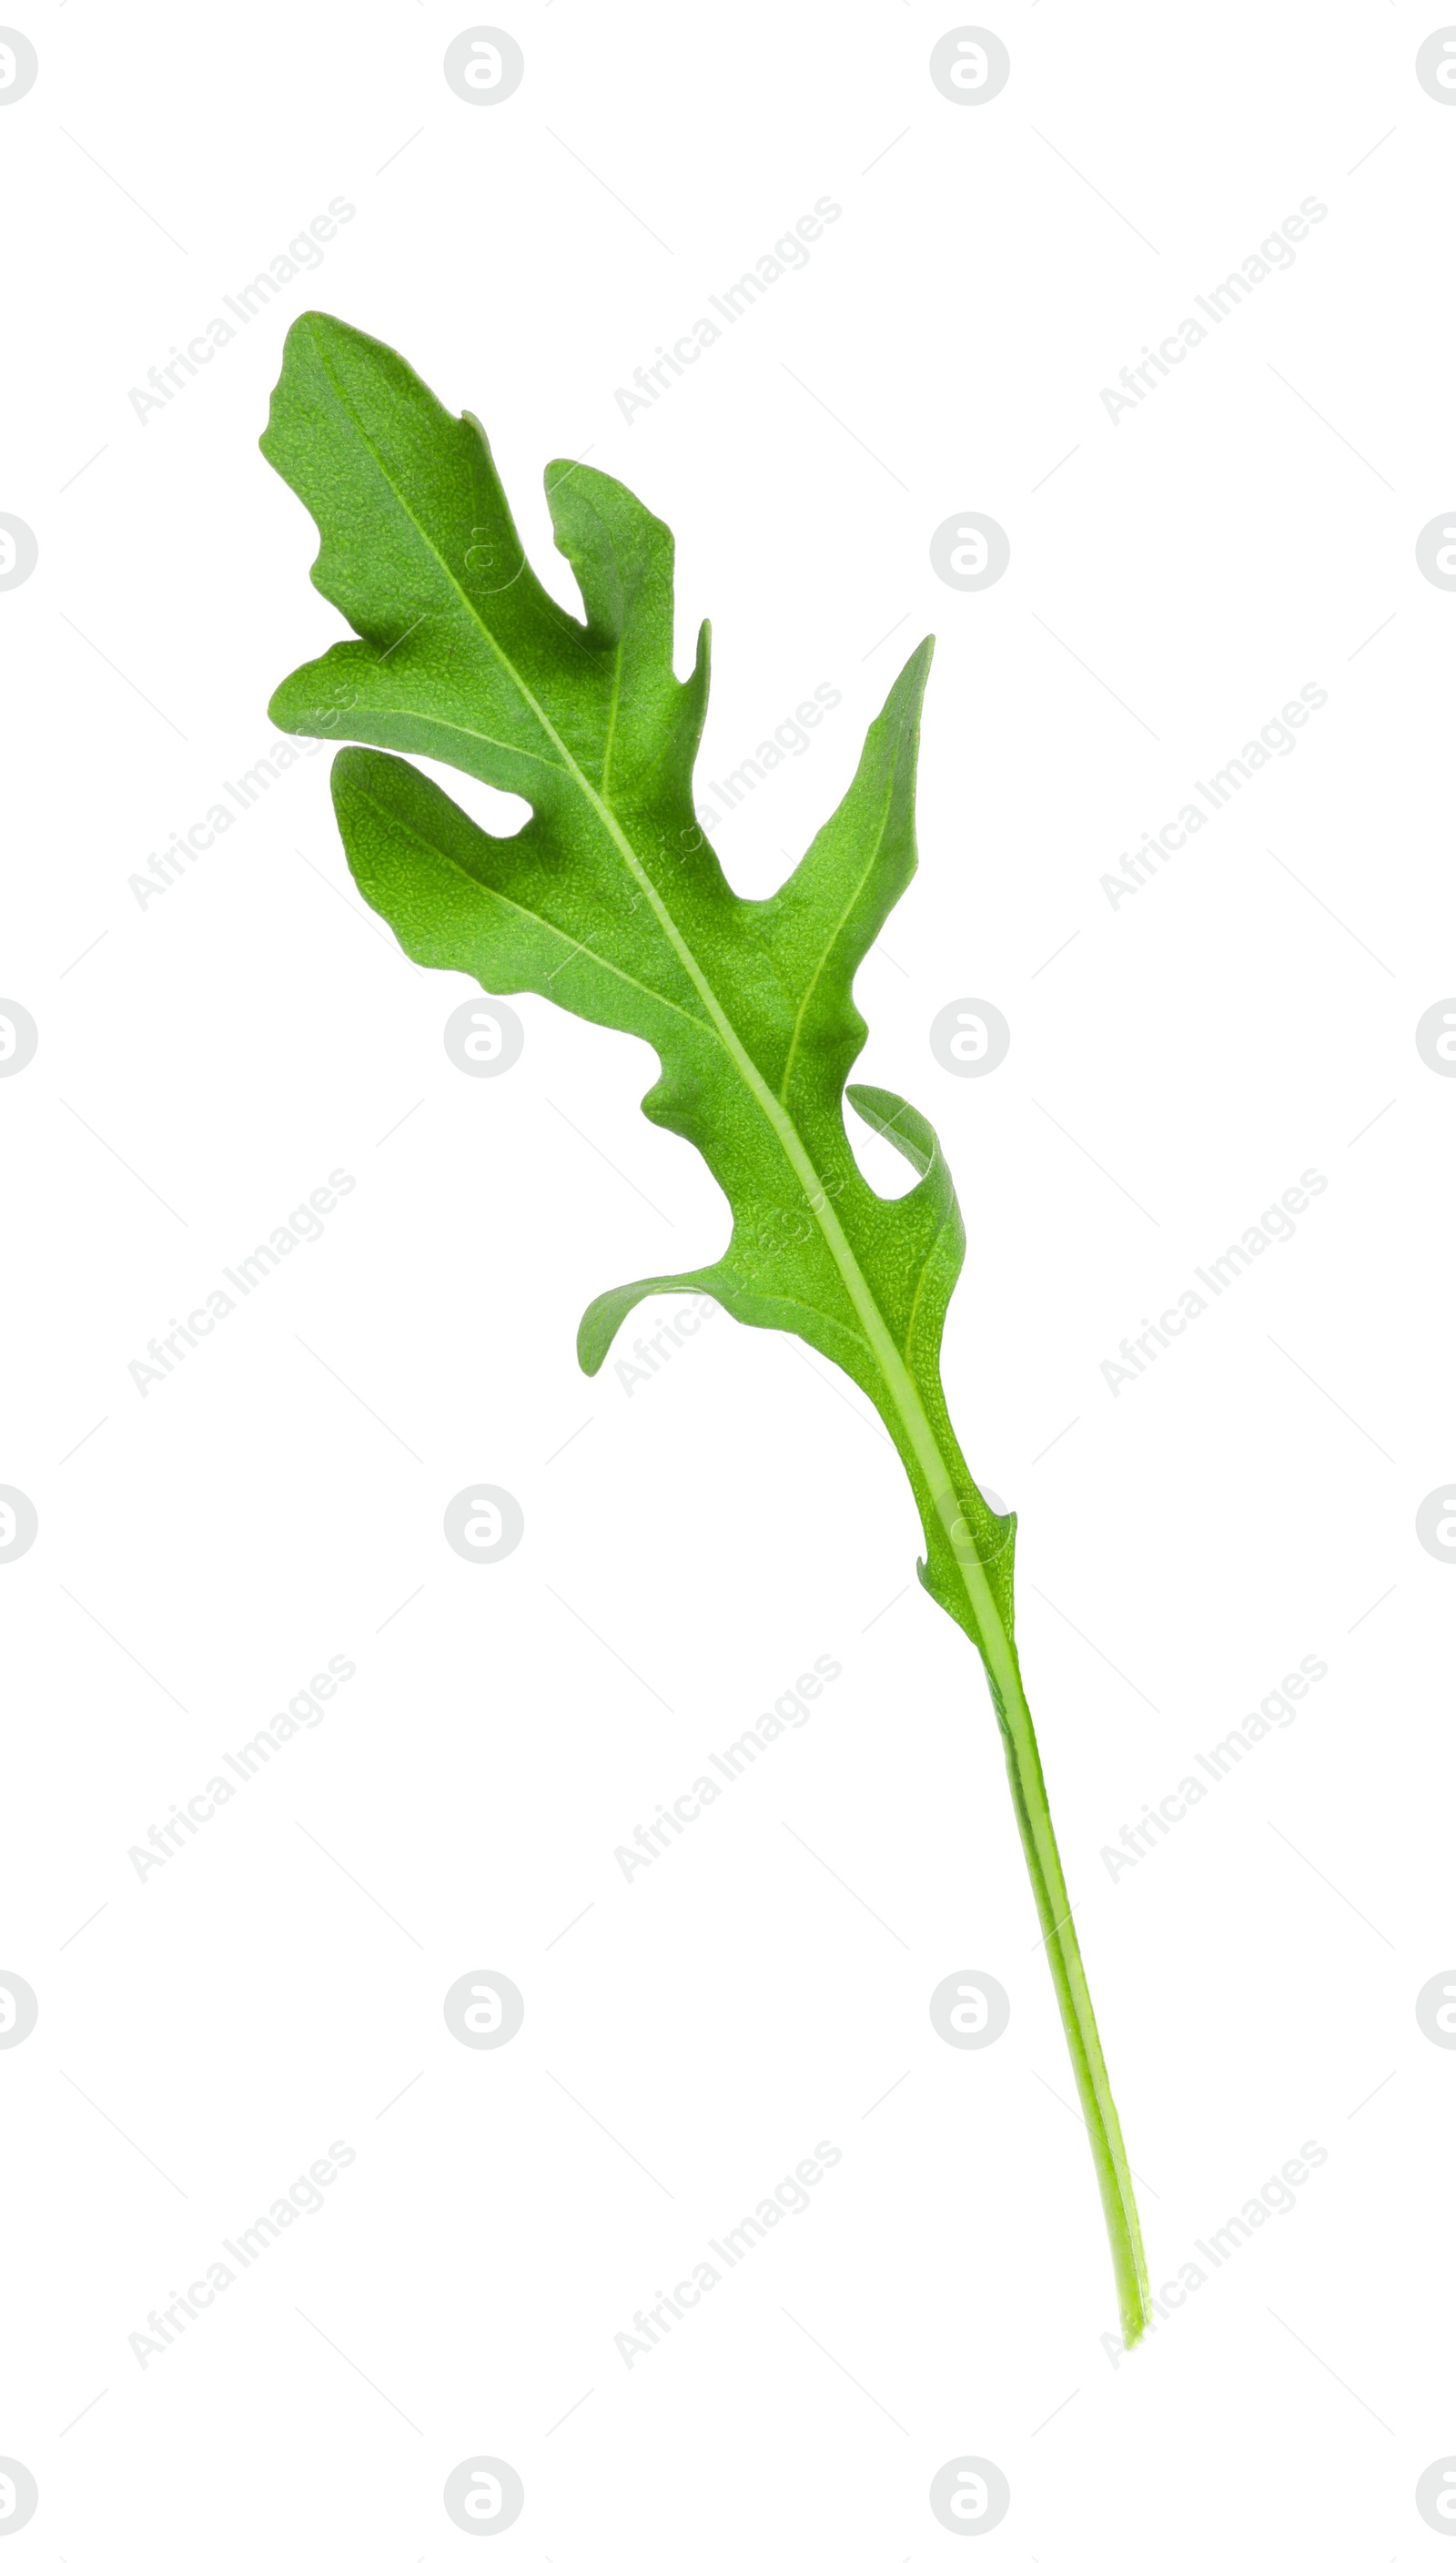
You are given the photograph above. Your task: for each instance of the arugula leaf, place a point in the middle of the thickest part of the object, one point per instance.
(611, 901)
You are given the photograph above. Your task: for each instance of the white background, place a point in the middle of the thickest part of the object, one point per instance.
(207, 1058)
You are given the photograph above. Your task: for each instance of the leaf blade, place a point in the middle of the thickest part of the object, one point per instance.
(610, 900)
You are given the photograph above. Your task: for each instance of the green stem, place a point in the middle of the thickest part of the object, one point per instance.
(941, 1473)
(1069, 1977)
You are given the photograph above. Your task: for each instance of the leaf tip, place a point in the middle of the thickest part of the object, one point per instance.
(598, 1326)
(916, 671)
(350, 771)
(278, 708)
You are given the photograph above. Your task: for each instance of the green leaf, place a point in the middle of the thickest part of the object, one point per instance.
(611, 901)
